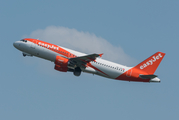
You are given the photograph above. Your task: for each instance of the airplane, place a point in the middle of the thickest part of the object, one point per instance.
(72, 61)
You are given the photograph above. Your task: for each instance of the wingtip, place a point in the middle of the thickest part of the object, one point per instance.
(100, 55)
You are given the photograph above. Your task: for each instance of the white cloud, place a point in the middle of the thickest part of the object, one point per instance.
(83, 42)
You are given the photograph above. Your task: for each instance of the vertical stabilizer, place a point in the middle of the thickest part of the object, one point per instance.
(150, 64)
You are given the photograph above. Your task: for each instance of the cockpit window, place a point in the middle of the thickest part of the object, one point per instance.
(23, 40)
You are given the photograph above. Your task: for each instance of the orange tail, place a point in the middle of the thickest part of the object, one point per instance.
(150, 64)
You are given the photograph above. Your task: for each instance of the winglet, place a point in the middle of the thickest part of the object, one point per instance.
(100, 55)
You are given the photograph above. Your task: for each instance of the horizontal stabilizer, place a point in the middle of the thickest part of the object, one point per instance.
(147, 76)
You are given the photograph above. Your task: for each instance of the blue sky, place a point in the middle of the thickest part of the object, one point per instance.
(30, 88)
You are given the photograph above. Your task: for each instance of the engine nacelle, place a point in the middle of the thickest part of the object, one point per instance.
(61, 69)
(61, 61)
(61, 64)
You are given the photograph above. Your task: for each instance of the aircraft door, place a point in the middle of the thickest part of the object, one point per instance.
(32, 46)
(129, 73)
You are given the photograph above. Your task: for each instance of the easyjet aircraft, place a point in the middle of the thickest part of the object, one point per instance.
(69, 60)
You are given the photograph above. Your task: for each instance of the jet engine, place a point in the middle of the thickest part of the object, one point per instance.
(61, 64)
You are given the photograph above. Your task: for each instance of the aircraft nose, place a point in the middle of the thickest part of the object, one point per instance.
(16, 44)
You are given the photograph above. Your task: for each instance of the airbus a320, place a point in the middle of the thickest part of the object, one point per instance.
(67, 60)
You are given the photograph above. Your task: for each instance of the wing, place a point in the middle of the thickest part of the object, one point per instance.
(83, 60)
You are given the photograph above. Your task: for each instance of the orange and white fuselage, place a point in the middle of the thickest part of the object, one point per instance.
(69, 60)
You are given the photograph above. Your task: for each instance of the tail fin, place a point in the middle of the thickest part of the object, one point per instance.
(150, 64)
